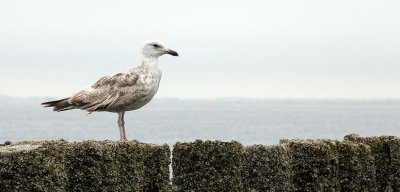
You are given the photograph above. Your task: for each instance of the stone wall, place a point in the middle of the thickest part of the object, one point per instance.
(84, 166)
(354, 164)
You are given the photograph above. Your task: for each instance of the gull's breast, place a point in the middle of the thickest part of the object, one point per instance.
(146, 88)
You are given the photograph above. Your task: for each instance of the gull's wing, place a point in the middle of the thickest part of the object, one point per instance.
(103, 94)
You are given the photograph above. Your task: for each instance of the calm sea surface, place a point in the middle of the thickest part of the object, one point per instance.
(172, 120)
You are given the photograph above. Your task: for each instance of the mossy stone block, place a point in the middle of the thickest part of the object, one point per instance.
(208, 166)
(156, 168)
(267, 168)
(33, 166)
(356, 167)
(314, 164)
(84, 166)
(105, 166)
(129, 162)
(381, 152)
(394, 145)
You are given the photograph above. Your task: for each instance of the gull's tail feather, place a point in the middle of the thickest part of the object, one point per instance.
(59, 105)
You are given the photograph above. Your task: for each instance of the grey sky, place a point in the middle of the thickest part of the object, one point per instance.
(285, 48)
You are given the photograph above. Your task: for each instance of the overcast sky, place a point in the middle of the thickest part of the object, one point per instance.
(258, 49)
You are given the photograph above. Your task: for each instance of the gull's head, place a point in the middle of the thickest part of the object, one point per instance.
(156, 49)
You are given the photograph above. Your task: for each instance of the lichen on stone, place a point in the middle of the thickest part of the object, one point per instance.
(16, 148)
(208, 166)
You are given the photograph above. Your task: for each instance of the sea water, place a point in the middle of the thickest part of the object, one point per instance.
(249, 121)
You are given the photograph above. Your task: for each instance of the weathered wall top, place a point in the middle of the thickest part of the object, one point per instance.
(354, 164)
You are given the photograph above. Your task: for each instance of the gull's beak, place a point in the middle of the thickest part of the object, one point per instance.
(172, 52)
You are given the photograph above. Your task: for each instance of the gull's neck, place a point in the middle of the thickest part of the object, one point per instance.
(150, 61)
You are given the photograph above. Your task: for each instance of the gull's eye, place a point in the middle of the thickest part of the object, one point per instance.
(156, 46)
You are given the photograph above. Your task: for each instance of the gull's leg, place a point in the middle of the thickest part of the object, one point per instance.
(121, 126)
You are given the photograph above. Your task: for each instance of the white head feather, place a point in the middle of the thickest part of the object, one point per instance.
(154, 49)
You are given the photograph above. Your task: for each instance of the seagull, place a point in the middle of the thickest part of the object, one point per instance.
(120, 92)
